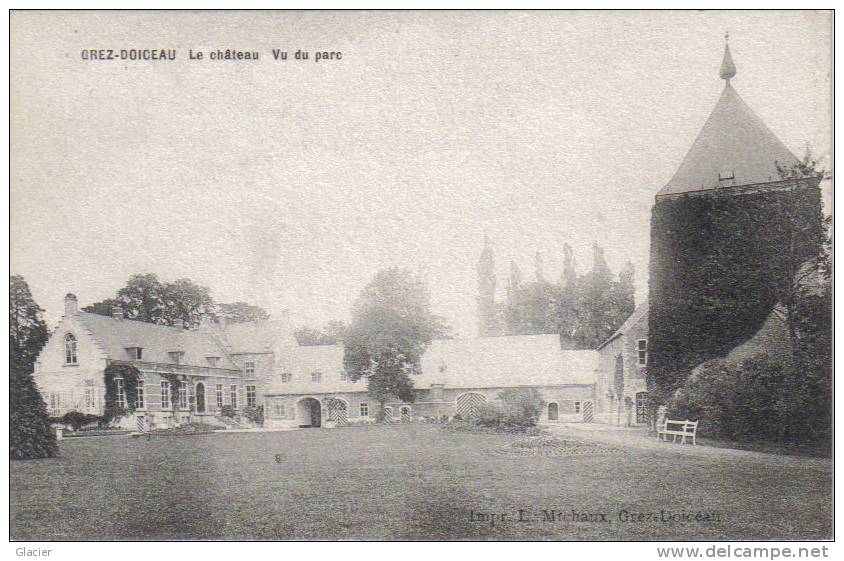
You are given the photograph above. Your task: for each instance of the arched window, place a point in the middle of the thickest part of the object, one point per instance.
(553, 411)
(70, 349)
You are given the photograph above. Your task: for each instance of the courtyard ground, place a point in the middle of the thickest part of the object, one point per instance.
(414, 482)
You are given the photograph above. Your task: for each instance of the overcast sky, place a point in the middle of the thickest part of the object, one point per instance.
(289, 184)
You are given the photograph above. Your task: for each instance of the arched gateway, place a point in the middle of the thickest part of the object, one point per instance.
(309, 412)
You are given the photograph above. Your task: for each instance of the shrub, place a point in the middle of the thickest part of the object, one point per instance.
(489, 415)
(77, 419)
(255, 414)
(228, 411)
(522, 406)
(30, 432)
(763, 398)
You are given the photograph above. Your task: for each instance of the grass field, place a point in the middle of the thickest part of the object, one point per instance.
(406, 483)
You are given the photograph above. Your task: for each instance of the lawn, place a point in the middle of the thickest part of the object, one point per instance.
(409, 482)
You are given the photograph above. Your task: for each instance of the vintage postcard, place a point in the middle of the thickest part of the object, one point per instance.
(416, 275)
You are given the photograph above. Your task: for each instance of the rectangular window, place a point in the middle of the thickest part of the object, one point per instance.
(250, 397)
(165, 394)
(249, 368)
(279, 409)
(364, 409)
(233, 396)
(139, 353)
(316, 377)
(140, 404)
(642, 352)
(219, 396)
(121, 393)
(286, 377)
(577, 407)
(212, 360)
(183, 395)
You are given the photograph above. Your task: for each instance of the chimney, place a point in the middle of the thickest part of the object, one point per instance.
(179, 323)
(117, 312)
(71, 306)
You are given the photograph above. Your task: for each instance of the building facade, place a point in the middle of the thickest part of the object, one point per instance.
(457, 377)
(621, 394)
(185, 375)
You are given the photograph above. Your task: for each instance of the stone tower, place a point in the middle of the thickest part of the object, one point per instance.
(723, 240)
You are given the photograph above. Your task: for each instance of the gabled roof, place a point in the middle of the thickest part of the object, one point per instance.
(734, 143)
(628, 324)
(116, 335)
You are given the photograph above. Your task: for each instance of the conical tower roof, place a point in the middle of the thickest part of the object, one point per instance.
(734, 148)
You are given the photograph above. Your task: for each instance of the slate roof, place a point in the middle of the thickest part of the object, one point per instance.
(483, 362)
(637, 314)
(116, 335)
(733, 142)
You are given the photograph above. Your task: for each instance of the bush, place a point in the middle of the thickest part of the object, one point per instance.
(30, 432)
(228, 411)
(255, 414)
(489, 415)
(763, 398)
(522, 406)
(77, 419)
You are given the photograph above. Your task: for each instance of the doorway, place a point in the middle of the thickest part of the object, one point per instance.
(309, 413)
(200, 397)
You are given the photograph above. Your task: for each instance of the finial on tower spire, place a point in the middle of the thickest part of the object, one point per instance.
(728, 69)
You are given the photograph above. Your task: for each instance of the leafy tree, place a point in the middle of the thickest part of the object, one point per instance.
(27, 330)
(146, 298)
(30, 433)
(186, 300)
(333, 333)
(392, 326)
(241, 312)
(143, 299)
(583, 310)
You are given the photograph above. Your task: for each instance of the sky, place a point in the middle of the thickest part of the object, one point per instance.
(289, 184)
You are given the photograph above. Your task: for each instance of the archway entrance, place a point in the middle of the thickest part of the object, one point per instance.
(200, 397)
(309, 412)
(553, 411)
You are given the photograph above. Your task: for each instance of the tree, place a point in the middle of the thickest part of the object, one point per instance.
(392, 326)
(333, 333)
(143, 299)
(27, 330)
(186, 300)
(30, 433)
(146, 298)
(241, 312)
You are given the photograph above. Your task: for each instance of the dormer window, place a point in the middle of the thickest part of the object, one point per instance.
(212, 360)
(70, 349)
(135, 353)
(176, 356)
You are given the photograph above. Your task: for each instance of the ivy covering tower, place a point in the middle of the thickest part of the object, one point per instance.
(729, 232)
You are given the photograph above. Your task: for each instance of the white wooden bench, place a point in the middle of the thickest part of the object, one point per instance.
(674, 428)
